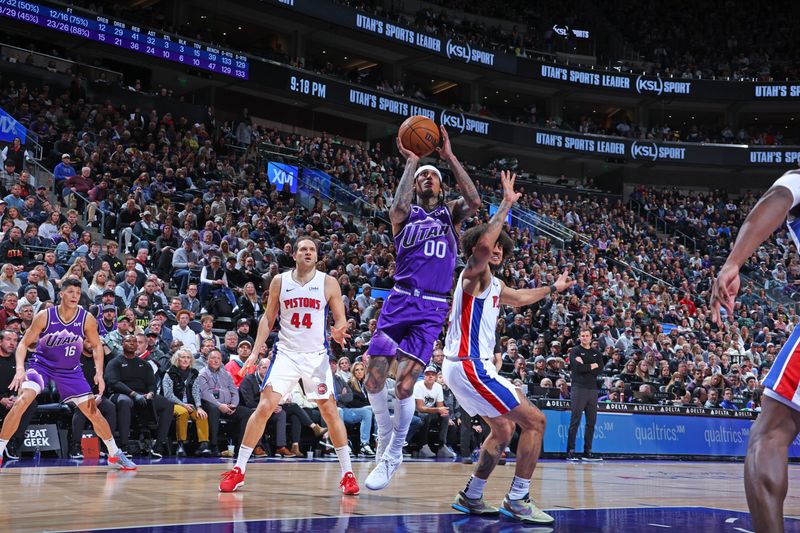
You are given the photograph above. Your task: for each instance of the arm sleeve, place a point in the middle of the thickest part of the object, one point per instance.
(580, 368)
(233, 390)
(167, 391)
(791, 180)
(196, 392)
(205, 390)
(179, 259)
(150, 382)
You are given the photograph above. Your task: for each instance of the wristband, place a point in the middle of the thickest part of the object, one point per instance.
(553, 289)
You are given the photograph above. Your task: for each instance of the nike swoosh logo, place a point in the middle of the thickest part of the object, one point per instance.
(290, 290)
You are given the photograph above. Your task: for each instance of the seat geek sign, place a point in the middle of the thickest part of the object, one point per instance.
(41, 437)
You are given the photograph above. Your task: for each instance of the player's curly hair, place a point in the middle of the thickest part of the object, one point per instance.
(473, 235)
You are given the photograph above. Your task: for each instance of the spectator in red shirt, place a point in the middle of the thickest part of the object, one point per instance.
(236, 363)
(687, 301)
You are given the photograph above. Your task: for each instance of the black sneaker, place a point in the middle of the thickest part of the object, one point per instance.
(467, 460)
(572, 458)
(11, 452)
(75, 452)
(591, 458)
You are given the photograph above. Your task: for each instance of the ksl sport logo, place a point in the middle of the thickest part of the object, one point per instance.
(459, 51)
(655, 85)
(644, 150)
(453, 120)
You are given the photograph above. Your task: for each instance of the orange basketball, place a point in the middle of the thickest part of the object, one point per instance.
(419, 134)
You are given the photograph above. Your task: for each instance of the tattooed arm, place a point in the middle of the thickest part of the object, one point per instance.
(401, 204)
(470, 201)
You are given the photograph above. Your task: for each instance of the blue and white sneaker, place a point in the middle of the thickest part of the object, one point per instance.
(121, 461)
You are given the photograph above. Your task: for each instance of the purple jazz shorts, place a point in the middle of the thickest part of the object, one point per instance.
(71, 384)
(409, 323)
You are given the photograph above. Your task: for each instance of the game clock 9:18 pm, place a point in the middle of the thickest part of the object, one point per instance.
(308, 87)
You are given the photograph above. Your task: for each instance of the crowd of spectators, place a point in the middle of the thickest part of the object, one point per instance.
(180, 231)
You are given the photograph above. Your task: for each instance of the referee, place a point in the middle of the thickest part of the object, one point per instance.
(585, 363)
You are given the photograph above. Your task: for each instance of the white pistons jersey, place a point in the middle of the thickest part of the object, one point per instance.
(473, 320)
(303, 315)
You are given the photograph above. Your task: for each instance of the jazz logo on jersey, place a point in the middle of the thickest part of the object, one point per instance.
(416, 234)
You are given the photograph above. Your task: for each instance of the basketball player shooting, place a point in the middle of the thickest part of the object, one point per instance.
(425, 235)
(469, 371)
(766, 477)
(301, 297)
(58, 334)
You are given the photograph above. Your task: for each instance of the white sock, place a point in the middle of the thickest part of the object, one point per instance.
(380, 408)
(402, 420)
(3, 444)
(474, 488)
(519, 488)
(343, 454)
(111, 444)
(244, 456)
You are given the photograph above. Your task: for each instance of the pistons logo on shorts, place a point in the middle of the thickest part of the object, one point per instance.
(322, 389)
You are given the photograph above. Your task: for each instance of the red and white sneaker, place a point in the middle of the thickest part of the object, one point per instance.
(349, 484)
(231, 480)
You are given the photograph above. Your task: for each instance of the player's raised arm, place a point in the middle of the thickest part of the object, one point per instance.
(470, 200)
(30, 338)
(334, 295)
(401, 204)
(265, 324)
(768, 214)
(521, 297)
(92, 335)
(482, 252)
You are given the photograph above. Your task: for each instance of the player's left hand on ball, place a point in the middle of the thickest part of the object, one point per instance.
(445, 151)
(340, 335)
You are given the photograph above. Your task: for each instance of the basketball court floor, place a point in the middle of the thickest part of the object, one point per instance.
(302, 495)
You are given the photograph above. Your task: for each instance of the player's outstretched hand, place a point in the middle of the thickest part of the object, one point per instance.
(251, 362)
(724, 291)
(508, 179)
(445, 151)
(340, 335)
(19, 379)
(563, 282)
(405, 152)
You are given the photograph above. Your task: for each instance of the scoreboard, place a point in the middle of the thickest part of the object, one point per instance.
(129, 37)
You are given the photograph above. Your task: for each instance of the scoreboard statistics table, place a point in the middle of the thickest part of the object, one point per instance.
(128, 36)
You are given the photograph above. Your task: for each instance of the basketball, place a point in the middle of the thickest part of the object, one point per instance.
(419, 134)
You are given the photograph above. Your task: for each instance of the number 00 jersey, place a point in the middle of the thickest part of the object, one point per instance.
(473, 320)
(303, 315)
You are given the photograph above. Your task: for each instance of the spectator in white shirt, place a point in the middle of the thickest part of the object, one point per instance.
(182, 332)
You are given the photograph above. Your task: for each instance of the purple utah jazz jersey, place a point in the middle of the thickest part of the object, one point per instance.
(426, 250)
(60, 345)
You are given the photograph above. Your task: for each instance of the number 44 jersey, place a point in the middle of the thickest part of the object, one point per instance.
(303, 314)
